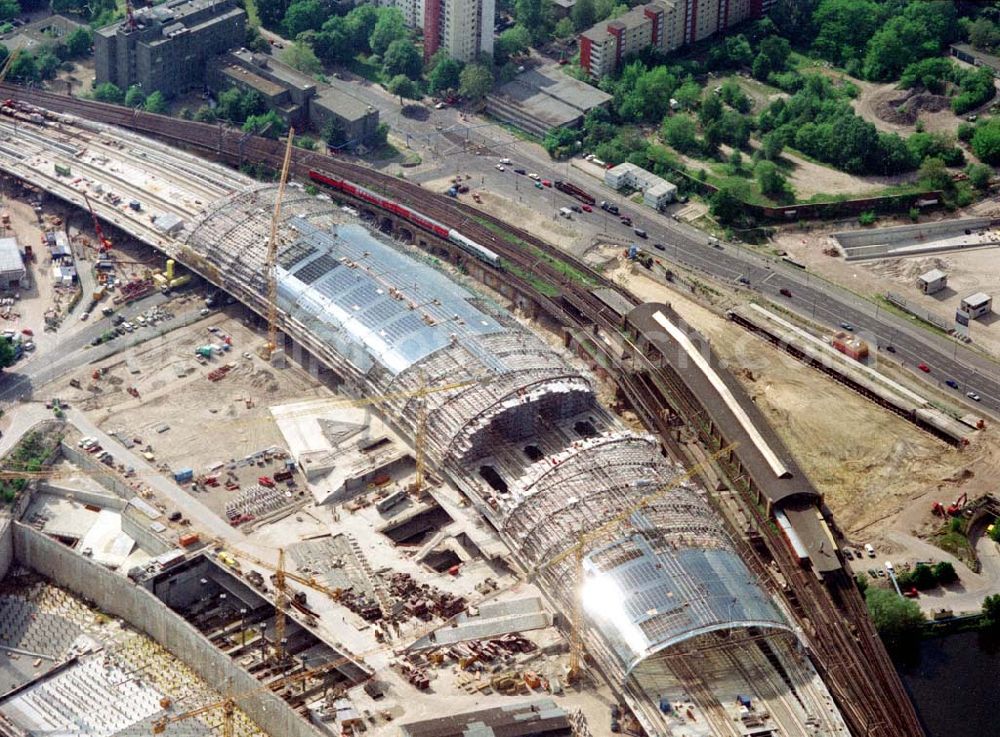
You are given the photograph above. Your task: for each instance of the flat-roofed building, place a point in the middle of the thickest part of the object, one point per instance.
(167, 47)
(657, 192)
(977, 305)
(932, 281)
(12, 270)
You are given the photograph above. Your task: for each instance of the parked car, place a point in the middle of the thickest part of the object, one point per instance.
(640, 232)
(659, 247)
(546, 183)
(534, 176)
(924, 367)
(575, 208)
(501, 167)
(891, 348)
(520, 171)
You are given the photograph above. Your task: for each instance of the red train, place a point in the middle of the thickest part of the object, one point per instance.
(474, 249)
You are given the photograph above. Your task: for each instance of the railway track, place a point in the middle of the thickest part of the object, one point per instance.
(846, 648)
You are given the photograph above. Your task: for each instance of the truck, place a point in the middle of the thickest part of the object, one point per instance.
(609, 207)
(183, 475)
(573, 191)
(566, 213)
(850, 346)
(62, 170)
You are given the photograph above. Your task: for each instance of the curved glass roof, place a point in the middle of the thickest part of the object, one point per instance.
(372, 302)
(645, 599)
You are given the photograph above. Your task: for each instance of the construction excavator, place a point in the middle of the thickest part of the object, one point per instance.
(952, 510)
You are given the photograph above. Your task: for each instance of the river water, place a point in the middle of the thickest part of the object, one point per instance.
(955, 684)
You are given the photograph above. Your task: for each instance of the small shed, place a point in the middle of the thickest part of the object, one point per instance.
(977, 305)
(933, 281)
(11, 264)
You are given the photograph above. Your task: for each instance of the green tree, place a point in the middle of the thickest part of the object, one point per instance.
(772, 144)
(991, 611)
(135, 97)
(107, 92)
(333, 133)
(560, 142)
(268, 124)
(844, 28)
(404, 87)
(583, 14)
(513, 41)
(333, 42)
(303, 15)
(770, 179)
(986, 141)
(727, 207)
(983, 34)
(898, 620)
(402, 57)
(6, 353)
(736, 162)
(205, 114)
(78, 42)
(688, 95)
(24, 69)
(979, 176)
(389, 27)
(923, 577)
(934, 174)
(476, 81)
(48, 64)
(711, 110)
(563, 29)
(535, 15)
(155, 103)
(945, 573)
(734, 96)
(359, 25)
(301, 56)
(9, 9)
(681, 132)
(445, 73)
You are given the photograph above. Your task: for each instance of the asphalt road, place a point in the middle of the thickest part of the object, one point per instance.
(812, 297)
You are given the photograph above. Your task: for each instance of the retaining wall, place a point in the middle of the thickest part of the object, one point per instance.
(118, 596)
(83, 496)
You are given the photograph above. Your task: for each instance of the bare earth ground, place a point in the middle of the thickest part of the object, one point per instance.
(968, 272)
(552, 228)
(869, 464)
(208, 420)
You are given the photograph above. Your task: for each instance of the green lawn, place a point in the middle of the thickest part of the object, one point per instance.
(363, 66)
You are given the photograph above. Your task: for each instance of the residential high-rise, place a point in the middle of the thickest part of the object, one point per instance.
(463, 28)
(664, 24)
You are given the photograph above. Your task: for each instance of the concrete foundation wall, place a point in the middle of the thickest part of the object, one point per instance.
(906, 233)
(84, 496)
(102, 474)
(120, 597)
(6, 544)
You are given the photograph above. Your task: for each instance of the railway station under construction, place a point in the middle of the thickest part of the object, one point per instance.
(616, 536)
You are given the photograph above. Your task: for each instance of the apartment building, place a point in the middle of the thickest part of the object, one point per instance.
(166, 47)
(663, 24)
(464, 28)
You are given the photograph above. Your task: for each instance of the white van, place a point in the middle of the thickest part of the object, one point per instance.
(869, 550)
(566, 213)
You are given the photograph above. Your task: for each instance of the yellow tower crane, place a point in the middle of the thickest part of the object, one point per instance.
(9, 63)
(578, 550)
(271, 266)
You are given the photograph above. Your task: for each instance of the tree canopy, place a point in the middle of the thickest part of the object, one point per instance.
(476, 81)
(897, 619)
(402, 57)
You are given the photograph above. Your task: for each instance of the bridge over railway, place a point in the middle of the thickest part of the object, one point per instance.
(844, 645)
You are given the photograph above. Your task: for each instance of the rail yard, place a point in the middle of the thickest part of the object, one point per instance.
(713, 617)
